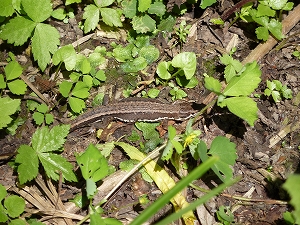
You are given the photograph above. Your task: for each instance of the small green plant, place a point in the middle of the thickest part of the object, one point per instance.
(62, 14)
(8, 108)
(137, 55)
(265, 15)
(83, 78)
(109, 15)
(11, 79)
(241, 81)
(45, 143)
(44, 37)
(296, 53)
(41, 115)
(11, 207)
(277, 90)
(182, 31)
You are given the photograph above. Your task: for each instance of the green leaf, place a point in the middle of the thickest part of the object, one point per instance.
(150, 53)
(243, 107)
(100, 75)
(38, 11)
(2, 82)
(44, 41)
(65, 88)
(226, 152)
(38, 118)
(67, 55)
(81, 90)
(206, 3)
(3, 192)
(183, 82)
(54, 164)
(29, 163)
(212, 84)
(157, 8)
(275, 27)
(244, 84)
(59, 14)
(68, 2)
(262, 33)
(143, 24)
(18, 30)
(143, 5)
(85, 66)
(103, 3)
(8, 107)
(76, 104)
(135, 65)
(3, 214)
(13, 70)
(18, 222)
(49, 118)
(167, 24)
(150, 134)
(91, 15)
(187, 62)
(44, 140)
(129, 8)
(6, 8)
(91, 188)
(292, 185)
(111, 17)
(264, 10)
(92, 163)
(123, 54)
(163, 70)
(276, 96)
(14, 205)
(277, 4)
(17, 87)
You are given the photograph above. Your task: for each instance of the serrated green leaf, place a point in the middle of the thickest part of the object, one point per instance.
(8, 107)
(143, 5)
(81, 90)
(44, 41)
(111, 17)
(92, 163)
(38, 11)
(275, 27)
(38, 118)
(288, 6)
(150, 53)
(29, 163)
(91, 188)
(262, 33)
(167, 24)
(150, 134)
(276, 96)
(13, 70)
(6, 8)
(18, 30)
(143, 24)
(244, 84)
(123, 54)
(264, 10)
(17, 222)
(43, 108)
(187, 62)
(49, 118)
(44, 140)
(91, 15)
(17, 87)
(271, 85)
(55, 164)
(76, 104)
(3, 192)
(14, 205)
(67, 55)
(129, 8)
(243, 107)
(157, 8)
(65, 88)
(212, 84)
(292, 185)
